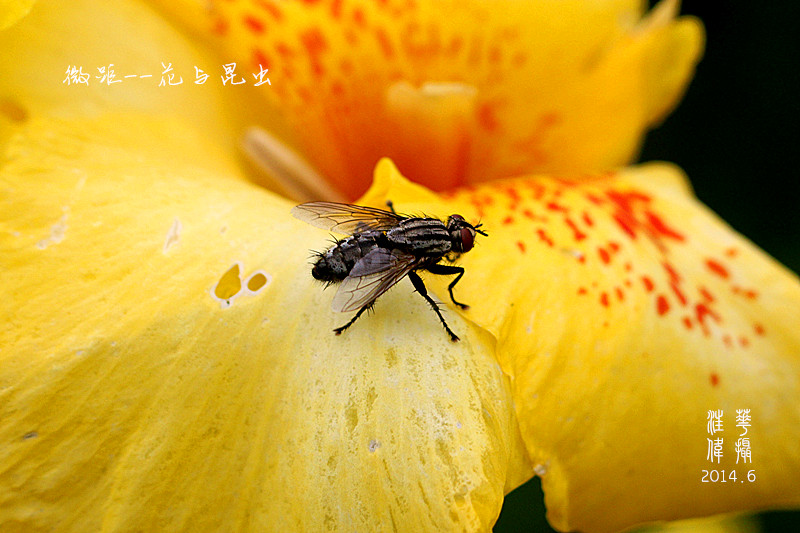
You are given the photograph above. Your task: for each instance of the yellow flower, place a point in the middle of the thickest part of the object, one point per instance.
(460, 91)
(166, 362)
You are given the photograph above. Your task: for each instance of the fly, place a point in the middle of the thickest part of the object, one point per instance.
(383, 248)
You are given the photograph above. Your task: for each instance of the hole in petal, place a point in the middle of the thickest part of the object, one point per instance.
(257, 281)
(228, 287)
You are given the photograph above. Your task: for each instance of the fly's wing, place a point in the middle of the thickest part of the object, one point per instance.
(345, 218)
(373, 275)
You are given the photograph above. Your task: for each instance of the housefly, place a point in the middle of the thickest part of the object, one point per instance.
(383, 248)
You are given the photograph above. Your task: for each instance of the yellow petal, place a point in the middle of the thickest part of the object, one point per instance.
(13, 10)
(124, 37)
(625, 311)
(540, 86)
(168, 362)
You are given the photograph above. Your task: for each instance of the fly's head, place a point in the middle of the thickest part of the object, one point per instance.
(462, 233)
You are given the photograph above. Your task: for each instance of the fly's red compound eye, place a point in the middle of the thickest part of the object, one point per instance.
(467, 239)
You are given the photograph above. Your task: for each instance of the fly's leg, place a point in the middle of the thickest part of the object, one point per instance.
(339, 331)
(420, 286)
(390, 204)
(446, 270)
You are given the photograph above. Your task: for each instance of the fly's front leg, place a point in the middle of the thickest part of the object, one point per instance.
(420, 286)
(446, 270)
(390, 205)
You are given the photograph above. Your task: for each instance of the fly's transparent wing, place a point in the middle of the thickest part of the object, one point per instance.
(375, 274)
(345, 218)
(376, 260)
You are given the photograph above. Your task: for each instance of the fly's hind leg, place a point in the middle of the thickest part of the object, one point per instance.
(446, 270)
(420, 286)
(367, 307)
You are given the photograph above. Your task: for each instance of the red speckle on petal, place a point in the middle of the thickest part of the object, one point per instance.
(744, 342)
(648, 283)
(717, 268)
(587, 219)
(687, 322)
(270, 8)
(620, 293)
(604, 299)
(508, 220)
(578, 234)
(455, 46)
(594, 199)
(582, 290)
(747, 293)
(625, 225)
(705, 294)
(315, 44)
(681, 297)
(521, 246)
(220, 27)
(336, 8)
(487, 118)
(714, 379)
(359, 18)
(552, 206)
(703, 311)
(759, 329)
(544, 237)
(731, 252)
(660, 227)
(726, 339)
(253, 24)
(662, 306)
(604, 255)
(260, 59)
(673, 274)
(385, 43)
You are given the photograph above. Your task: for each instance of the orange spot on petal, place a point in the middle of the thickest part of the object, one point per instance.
(662, 305)
(717, 268)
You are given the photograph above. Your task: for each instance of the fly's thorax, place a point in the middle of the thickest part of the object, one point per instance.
(425, 236)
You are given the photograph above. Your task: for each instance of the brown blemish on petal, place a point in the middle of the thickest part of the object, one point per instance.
(13, 110)
(713, 379)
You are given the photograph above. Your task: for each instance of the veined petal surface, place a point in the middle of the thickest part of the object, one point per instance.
(168, 362)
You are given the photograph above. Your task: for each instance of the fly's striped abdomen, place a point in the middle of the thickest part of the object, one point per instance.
(335, 264)
(425, 236)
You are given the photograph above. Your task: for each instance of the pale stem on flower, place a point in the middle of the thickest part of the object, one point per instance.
(288, 170)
